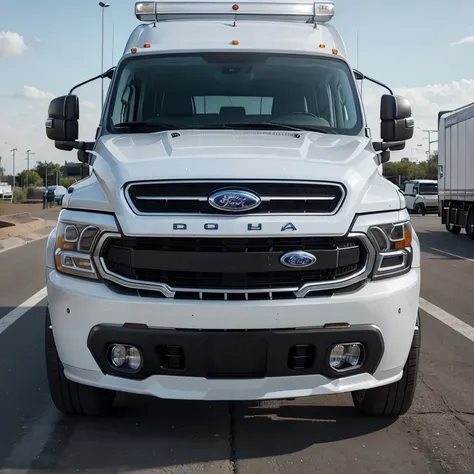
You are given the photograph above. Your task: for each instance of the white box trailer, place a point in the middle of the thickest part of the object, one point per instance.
(456, 169)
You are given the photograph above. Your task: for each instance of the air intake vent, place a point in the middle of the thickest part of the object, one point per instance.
(172, 357)
(276, 197)
(301, 357)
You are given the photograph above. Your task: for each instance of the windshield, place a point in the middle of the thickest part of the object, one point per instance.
(428, 188)
(238, 90)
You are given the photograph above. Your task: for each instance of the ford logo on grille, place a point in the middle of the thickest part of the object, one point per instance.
(233, 200)
(298, 259)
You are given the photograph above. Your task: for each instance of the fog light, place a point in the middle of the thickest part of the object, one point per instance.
(124, 356)
(353, 354)
(118, 355)
(134, 358)
(336, 359)
(346, 356)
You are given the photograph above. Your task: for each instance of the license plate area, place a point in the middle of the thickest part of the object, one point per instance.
(236, 356)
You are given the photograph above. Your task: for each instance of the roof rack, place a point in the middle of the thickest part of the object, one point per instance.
(304, 11)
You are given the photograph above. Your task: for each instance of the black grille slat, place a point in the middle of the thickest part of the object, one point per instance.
(191, 197)
(224, 244)
(352, 256)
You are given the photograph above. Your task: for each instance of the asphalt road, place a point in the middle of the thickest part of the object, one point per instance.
(317, 434)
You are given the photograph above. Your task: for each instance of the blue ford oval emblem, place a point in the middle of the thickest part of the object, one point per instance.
(234, 200)
(298, 259)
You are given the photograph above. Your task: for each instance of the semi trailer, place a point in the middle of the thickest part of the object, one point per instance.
(456, 169)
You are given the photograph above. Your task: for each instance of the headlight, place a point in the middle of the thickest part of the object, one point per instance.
(76, 235)
(393, 245)
(74, 243)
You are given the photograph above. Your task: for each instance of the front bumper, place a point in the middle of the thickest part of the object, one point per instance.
(387, 307)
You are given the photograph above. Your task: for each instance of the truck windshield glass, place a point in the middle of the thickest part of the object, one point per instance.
(428, 189)
(237, 90)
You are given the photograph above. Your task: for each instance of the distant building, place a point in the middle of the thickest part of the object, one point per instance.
(75, 170)
(9, 179)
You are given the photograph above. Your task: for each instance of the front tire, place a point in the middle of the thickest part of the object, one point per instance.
(420, 209)
(69, 397)
(394, 399)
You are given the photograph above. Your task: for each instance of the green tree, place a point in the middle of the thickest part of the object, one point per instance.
(67, 182)
(406, 169)
(2, 171)
(34, 179)
(53, 170)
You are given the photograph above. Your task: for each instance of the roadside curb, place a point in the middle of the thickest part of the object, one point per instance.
(14, 242)
(19, 229)
(23, 234)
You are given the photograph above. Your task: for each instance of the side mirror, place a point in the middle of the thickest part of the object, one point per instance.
(397, 122)
(62, 124)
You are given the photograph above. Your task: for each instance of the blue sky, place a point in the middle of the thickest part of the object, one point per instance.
(406, 43)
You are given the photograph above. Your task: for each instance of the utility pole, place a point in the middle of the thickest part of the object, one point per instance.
(28, 153)
(13, 152)
(103, 5)
(429, 132)
(46, 176)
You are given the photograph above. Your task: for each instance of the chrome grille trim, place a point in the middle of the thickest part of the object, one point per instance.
(264, 198)
(299, 292)
(231, 182)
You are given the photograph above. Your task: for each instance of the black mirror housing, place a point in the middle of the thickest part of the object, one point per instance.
(62, 123)
(394, 107)
(397, 124)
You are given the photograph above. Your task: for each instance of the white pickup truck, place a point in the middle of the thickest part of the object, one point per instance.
(235, 239)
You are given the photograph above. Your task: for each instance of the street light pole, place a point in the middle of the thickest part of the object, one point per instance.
(103, 5)
(28, 153)
(13, 152)
(429, 132)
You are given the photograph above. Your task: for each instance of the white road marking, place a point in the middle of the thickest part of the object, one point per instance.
(454, 323)
(453, 255)
(19, 311)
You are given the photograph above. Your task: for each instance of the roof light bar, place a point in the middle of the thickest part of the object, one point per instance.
(306, 11)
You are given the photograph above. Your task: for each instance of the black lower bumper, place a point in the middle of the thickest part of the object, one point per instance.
(234, 354)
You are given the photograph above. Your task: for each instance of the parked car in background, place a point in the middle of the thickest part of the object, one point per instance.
(6, 193)
(421, 195)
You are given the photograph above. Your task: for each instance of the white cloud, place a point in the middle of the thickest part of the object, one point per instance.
(465, 40)
(11, 44)
(426, 102)
(25, 128)
(38, 40)
(86, 104)
(33, 93)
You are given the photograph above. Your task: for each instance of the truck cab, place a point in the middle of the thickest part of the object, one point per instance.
(235, 239)
(421, 195)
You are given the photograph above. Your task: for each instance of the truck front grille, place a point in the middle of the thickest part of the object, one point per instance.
(277, 197)
(192, 266)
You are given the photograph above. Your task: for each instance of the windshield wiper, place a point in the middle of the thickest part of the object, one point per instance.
(256, 125)
(267, 125)
(147, 126)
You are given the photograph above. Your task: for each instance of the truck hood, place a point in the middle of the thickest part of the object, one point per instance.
(226, 154)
